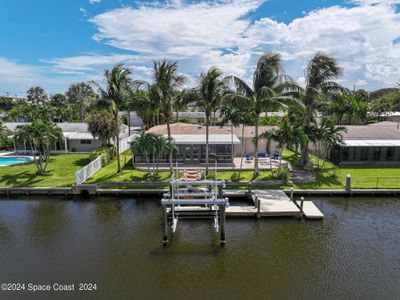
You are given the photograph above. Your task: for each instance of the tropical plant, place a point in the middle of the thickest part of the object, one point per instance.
(236, 112)
(102, 125)
(107, 153)
(81, 95)
(207, 95)
(165, 88)
(141, 145)
(36, 95)
(330, 135)
(114, 96)
(319, 74)
(40, 136)
(146, 107)
(269, 86)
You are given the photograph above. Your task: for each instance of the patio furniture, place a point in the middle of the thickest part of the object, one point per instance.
(249, 158)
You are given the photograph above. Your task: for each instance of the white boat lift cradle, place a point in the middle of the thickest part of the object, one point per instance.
(193, 200)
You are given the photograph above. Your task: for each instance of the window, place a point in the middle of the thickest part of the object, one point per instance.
(345, 154)
(389, 153)
(364, 154)
(86, 142)
(377, 153)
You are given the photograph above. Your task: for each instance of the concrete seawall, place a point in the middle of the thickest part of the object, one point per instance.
(94, 191)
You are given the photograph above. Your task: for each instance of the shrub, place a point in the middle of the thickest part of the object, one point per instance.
(6, 144)
(235, 177)
(107, 153)
(281, 173)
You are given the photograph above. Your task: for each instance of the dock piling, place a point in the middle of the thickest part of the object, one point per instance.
(258, 208)
(165, 225)
(301, 206)
(222, 216)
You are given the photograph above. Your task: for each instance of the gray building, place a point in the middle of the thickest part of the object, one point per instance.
(76, 138)
(377, 143)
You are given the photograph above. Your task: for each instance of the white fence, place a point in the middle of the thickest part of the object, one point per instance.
(125, 143)
(88, 170)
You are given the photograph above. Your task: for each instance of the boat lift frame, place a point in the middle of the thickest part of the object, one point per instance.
(213, 198)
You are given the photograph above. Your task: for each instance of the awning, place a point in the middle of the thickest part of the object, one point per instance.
(200, 139)
(372, 143)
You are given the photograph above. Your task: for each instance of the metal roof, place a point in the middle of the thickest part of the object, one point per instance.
(200, 139)
(372, 143)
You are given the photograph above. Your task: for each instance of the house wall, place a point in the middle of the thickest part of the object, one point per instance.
(371, 155)
(76, 146)
(249, 148)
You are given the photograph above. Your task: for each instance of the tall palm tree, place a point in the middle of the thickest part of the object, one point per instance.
(207, 95)
(319, 74)
(236, 113)
(114, 96)
(165, 88)
(269, 83)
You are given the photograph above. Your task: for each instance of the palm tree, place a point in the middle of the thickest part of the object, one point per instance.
(330, 135)
(269, 83)
(207, 95)
(165, 88)
(40, 135)
(320, 72)
(141, 145)
(3, 130)
(235, 113)
(114, 96)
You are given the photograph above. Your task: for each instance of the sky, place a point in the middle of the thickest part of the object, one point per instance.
(52, 43)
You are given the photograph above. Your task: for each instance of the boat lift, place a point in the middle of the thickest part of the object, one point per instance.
(194, 197)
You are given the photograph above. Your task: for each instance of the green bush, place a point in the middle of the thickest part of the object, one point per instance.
(6, 144)
(235, 177)
(107, 154)
(281, 173)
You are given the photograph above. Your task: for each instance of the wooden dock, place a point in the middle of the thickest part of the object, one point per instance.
(273, 203)
(310, 211)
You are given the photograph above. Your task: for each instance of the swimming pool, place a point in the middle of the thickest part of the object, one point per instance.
(14, 160)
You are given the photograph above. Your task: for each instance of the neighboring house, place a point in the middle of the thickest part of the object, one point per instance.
(199, 117)
(135, 120)
(393, 116)
(377, 143)
(190, 139)
(77, 138)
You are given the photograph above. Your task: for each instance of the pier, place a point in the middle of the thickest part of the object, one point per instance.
(274, 203)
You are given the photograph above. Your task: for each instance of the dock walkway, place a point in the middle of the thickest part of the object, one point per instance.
(268, 203)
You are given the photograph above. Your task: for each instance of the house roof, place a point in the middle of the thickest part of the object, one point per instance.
(72, 131)
(192, 129)
(376, 131)
(372, 143)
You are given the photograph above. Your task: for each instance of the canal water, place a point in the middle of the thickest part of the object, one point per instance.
(354, 253)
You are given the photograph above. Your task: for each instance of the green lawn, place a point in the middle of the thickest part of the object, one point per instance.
(60, 172)
(128, 173)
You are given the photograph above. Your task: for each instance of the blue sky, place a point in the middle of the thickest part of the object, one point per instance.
(55, 43)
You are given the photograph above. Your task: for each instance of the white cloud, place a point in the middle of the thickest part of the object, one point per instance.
(361, 38)
(94, 1)
(199, 35)
(220, 33)
(172, 31)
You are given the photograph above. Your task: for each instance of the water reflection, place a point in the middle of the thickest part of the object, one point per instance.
(47, 220)
(352, 254)
(5, 232)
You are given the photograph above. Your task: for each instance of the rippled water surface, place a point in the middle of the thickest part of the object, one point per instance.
(354, 253)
